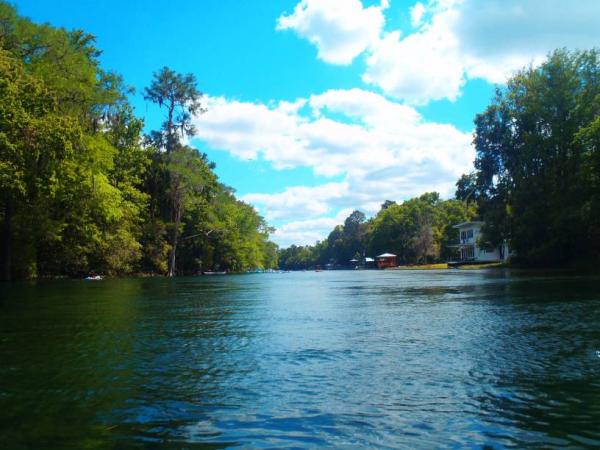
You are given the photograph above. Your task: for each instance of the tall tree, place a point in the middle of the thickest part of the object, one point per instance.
(467, 188)
(536, 162)
(180, 96)
(190, 180)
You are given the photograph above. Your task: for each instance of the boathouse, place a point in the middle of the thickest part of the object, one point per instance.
(386, 260)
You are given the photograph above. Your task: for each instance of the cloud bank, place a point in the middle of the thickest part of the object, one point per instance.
(451, 40)
(381, 148)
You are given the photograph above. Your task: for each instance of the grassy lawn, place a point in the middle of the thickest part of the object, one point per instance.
(445, 266)
(422, 267)
(481, 266)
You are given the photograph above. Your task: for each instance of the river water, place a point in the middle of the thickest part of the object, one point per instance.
(402, 359)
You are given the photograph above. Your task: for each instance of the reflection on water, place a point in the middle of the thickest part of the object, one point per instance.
(368, 359)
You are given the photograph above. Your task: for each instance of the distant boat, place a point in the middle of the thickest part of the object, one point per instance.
(214, 273)
(94, 278)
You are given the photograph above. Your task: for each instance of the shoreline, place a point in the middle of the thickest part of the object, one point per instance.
(575, 271)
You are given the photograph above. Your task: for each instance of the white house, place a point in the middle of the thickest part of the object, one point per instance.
(469, 248)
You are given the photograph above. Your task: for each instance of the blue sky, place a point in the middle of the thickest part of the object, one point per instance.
(318, 107)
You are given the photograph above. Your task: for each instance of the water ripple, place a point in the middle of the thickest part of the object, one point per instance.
(440, 359)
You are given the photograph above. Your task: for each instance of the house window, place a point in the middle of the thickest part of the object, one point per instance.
(469, 234)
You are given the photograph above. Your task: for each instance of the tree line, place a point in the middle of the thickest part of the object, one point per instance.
(535, 183)
(83, 189)
(419, 230)
(537, 172)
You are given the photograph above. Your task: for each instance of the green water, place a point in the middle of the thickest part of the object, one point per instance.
(348, 359)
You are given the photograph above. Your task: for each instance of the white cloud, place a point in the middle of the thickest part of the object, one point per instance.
(341, 30)
(423, 66)
(304, 232)
(416, 14)
(455, 40)
(247, 129)
(382, 150)
(298, 201)
(498, 37)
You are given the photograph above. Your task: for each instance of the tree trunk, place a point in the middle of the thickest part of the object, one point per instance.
(170, 144)
(6, 256)
(174, 240)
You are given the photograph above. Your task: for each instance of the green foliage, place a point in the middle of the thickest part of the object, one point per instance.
(204, 221)
(420, 229)
(225, 234)
(417, 231)
(181, 98)
(537, 161)
(81, 192)
(300, 257)
(468, 188)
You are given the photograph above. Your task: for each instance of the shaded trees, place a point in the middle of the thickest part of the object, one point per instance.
(62, 211)
(537, 159)
(419, 230)
(34, 141)
(190, 180)
(179, 172)
(80, 189)
(235, 236)
(219, 231)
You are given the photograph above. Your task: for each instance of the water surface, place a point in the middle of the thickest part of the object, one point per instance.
(406, 359)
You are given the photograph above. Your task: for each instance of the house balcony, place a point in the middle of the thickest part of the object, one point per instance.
(461, 242)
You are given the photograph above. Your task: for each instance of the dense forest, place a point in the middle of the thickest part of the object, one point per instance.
(84, 190)
(417, 231)
(537, 172)
(536, 181)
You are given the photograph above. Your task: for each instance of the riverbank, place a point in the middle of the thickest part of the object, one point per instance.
(442, 266)
(421, 267)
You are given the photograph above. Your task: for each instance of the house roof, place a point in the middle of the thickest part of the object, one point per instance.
(386, 255)
(367, 259)
(469, 224)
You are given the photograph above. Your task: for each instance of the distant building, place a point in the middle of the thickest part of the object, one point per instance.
(363, 263)
(367, 263)
(386, 260)
(470, 247)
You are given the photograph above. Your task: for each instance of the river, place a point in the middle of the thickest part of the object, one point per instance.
(378, 359)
